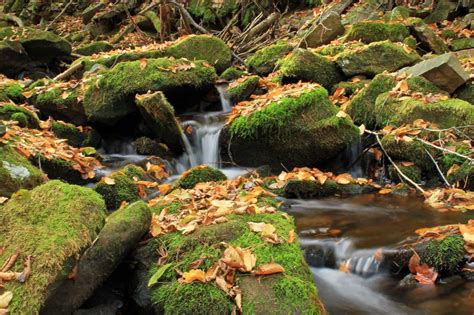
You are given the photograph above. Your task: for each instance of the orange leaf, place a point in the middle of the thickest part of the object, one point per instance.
(268, 269)
(108, 180)
(291, 236)
(193, 275)
(425, 274)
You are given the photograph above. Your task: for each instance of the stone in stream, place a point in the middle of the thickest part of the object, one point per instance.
(445, 71)
(159, 118)
(54, 223)
(328, 28)
(123, 229)
(242, 88)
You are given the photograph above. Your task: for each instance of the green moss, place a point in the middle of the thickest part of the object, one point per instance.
(243, 89)
(124, 188)
(337, 48)
(399, 13)
(369, 32)
(463, 43)
(264, 60)
(16, 172)
(413, 172)
(112, 96)
(54, 223)
(350, 88)
(231, 74)
(304, 65)
(11, 91)
(414, 151)
(209, 12)
(26, 118)
(411, 42)
(449, 34)
(376, 58)
(445, 255)
(199, 174)
(94, 48)
(303, 189)
(74, 136)
(292, 292)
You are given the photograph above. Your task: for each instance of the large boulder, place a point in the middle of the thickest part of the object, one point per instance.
(54, 224)
(266, 135)
(242, 88)
(16, 172)
(111, 98)
(369, 31)
(264, 60)
(328, 28)
(13, 58)
(304, 65)
(123, 229)
(159, 117)
(376, 58)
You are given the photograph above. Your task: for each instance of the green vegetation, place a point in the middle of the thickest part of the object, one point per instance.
(413, 172)
(243, 89)
(199, 174)
(264, 60)
(93, 48)
(74, 136)
(11, 91)
(369, 32)
(25, 117)
(232, 73)
(445, 255)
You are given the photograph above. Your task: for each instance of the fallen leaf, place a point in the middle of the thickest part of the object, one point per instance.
(385, 191)
(268, 269)
(158, 274)
(291, 236)
(193, 275)
(425, 274)
(108, 180)
(5, 299)
(414, 262)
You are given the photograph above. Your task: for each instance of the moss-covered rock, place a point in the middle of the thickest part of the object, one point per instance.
(209, 12)
(112, 96)
(123, 229)
(466, 92)
(444, 255)
(376, 58)
(76, 137)
(25, 117)
(231, 73)
(241, 89)
(159, 118)
(123, 187)
(11, 90)
(307, 189)
(264, 60)
(13, 58)
(147, 146)
(361, 108)
(199, 174)
(336, 48)
(369, 31)
(428, 39)
(54, 223)
(445, 113)
(16, 172)
(267, 136)
(350, 87)
(304, 65)
(411, 171)
(93, 48)
(462, 43)
(57, 168)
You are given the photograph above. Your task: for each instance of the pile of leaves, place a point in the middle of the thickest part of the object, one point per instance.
(32, 142)
(275, 94)
(7, 275)
(402, 92)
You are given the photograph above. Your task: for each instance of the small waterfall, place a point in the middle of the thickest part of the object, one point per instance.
(225, 101)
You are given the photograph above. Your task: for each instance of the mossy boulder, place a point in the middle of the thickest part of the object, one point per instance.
(370, 31)
(304, 65)
(445, 113)
(444, 255)
(11, 90)
(16, 172)
(376, 58)
(112, 96)
(94, 48)
(466, 92)
(336, 48)
(76, 137)
(241, 89)
(462, 43)
(362, 105)
(147, 146)
(40, 45)
(209, 11)
(199, 174)
(307, 189)
(123, 187)
(231, 73)
(428, 39)
(57, 168)
(54, 223)
(122, 231)
(267, 136)
(159, 118)
(411, 171)
(23, 116)
(264, 60)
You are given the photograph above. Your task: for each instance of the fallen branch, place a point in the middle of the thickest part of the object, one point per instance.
(437, 167)
(444, 149)
(69, 72)
(59, 15)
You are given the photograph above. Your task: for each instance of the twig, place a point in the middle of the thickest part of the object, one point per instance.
(444, 149)
(59, 15)
(437, 167)
(14, 18)
(69, 72)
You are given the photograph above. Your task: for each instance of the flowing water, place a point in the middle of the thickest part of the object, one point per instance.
(352, 232)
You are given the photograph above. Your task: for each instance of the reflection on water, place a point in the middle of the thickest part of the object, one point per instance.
(354, 230)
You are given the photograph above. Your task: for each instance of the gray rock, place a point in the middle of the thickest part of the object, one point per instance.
(444, 71)
(328, 29)
(428, 38)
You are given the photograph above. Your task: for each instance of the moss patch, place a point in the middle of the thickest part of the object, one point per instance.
(94, 48)
(199, 174)
(243, 88)
(74, 136)
(445, 255)
(264, 60)
(369, 32)
(25, 117)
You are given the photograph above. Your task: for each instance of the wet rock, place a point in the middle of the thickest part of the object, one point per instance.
(123, 229)
(328, 28)
(55, 223)
(16, 172)
(199, 174)
(369, 32)
(321, 255)
(427, 38)
(76, 137)
(241, 89)
(111, 98)
(93, 48)
(445, 71)
(408, 282)
(267, 136)
(304, 189)
(375, 58)
(304, 65)
(147, 146)
(264, 60)
(231, 73)
(159, 118)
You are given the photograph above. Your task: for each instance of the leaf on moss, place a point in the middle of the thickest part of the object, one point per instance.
(158, 274)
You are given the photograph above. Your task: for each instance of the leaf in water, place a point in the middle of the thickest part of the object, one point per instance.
(269, 269)
(385, 191)
(425, 274)
(414, 262)
(158, 274)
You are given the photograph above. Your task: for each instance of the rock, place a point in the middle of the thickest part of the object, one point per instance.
(445, 71)
(231, 74)
(442, 11)
(336, 48)
(23, 116)
(398, 14)
(264, 60)
(84, 137)
(242, 88)
(11, 90)
(199, 174)
(57, 168)
(16, 172)
(466, 92)
(159, 118)
(123, 229)
(428, 39)
(304, 65)
(123, 187)
(369, 32)
(55, 223)
(328, 29)
(267, 136)
(111, 98)
(93, 48)
(375, 58)
(13, 58)
(147, 146)
(462, 43)
(412, 171)
(305, 189)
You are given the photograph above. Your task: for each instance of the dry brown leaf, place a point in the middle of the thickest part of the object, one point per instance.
(425, 274)
(291, 236)
(269, 269)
